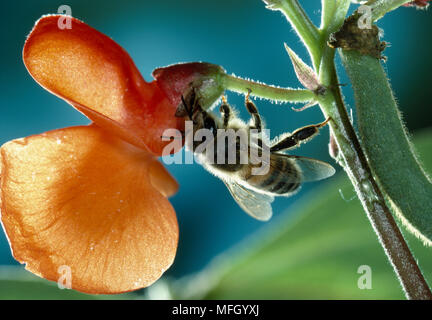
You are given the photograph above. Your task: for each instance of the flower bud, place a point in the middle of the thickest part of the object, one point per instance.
(177, 80)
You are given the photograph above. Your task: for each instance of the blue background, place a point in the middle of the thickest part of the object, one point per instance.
(243, 37)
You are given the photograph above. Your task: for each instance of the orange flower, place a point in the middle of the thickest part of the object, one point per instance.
(92, 198)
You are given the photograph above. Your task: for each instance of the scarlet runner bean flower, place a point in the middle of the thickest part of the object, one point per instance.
(92, 198)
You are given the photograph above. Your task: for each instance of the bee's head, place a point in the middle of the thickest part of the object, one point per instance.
(202, 120)
(190, 107)
(188, 104)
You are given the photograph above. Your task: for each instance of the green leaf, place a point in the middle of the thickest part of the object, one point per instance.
(387, 146)
(29, 290)
(315, 255)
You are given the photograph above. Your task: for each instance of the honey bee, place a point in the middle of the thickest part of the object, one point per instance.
(252, 187)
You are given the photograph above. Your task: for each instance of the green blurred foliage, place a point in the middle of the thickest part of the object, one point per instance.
(18, 284)
(313, 256)
(29, 290)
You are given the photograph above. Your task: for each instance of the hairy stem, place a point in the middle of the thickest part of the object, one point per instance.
(381, 7)
(328, 8)
(262, 90)
(353, 160)
(304, 27)
(378, 213)
(350, 154)
(333, 18)
(333, 15)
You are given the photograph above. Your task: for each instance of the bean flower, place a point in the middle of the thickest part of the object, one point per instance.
(93, 199)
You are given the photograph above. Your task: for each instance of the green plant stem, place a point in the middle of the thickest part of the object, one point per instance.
(378, 213)
(328, 7)
(304, 27)
(333, 16)
(332, 19)
(350, 153)
(262, 90)
(353, 160)
(381, 7)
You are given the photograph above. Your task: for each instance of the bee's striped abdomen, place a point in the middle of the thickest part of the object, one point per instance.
(282, 178)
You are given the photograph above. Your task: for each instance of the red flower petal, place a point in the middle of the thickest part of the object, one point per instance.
(95, 75)
(418, 3)
(82, 198)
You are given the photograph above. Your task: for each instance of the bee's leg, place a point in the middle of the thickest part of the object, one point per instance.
(226, 112)
(252, 109)
(191, 105)
(186, 108)
(299, 136)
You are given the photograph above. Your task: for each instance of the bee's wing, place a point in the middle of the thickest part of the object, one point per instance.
(255, 204)
(311, 169)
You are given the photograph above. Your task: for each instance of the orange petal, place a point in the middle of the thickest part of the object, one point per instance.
(82, 198)
(94, 74)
